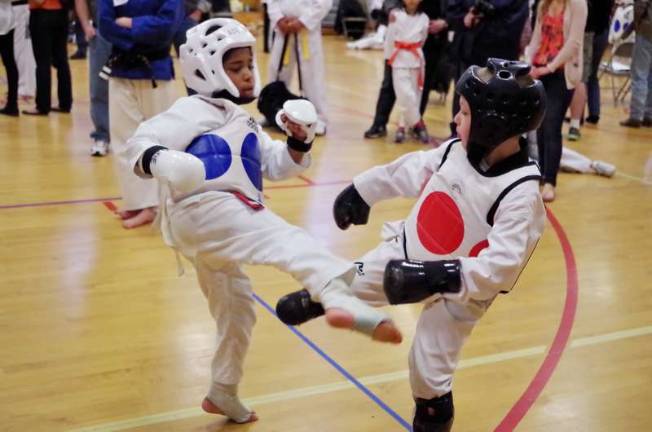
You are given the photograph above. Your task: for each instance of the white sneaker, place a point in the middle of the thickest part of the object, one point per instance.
(320, 130)
(100, 148)
(603, 168)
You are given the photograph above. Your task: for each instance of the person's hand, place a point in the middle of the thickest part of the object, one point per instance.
(296, 25)
(471, 19)
(124, 22)
(392, 16)
(195, 15)
(89, 32)
(437, 25)
(538, 72)
(284, 25)
(294, 129)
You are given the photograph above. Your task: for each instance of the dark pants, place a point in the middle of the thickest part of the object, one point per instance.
(600, 41)
(180, 39)
(266, 42)
(549, 136)
(387, 97)
(49, 30)
(80, 37)
(7, 55)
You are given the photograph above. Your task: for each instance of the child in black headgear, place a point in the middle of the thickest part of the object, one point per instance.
(477, 220)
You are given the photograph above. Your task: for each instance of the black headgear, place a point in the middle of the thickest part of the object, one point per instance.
(505, 102)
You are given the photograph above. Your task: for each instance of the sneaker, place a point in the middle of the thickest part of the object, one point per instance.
(603, 168)
(574, 134)
(631, 123)
(647, 122)
(375, 131)
(420, 132)
(100, 148)
(593, 119)
(399, 137)
(78, 55)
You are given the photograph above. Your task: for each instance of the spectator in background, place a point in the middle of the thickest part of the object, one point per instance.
(640, 108)
(484, 29)
(7, 25)
(48, 25)
(555, 53)
(302, 20)
(99, 52)
(80, 40)
(141, 86)
(600, 20)
(435, 58)
(23, 52)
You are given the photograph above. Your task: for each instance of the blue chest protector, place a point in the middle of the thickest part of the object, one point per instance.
(219, 157)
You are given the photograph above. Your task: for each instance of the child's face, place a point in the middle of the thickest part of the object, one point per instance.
(463, 121)
(239, 67)
(411, 6)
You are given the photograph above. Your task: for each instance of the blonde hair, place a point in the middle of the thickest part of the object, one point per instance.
(544, 5)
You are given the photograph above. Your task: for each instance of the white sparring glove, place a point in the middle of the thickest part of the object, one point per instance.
(301, 112)
(182, 171)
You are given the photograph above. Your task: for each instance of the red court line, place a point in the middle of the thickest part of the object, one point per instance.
(53, 203)
(527, 399)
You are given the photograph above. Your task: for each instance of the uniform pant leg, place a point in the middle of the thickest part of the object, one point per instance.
(312, 71)
(407, 95)
(442, 329)
(230, 301)
(126, 114)
(220, 228)
(23, 52)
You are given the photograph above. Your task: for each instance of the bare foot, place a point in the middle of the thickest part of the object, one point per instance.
(211, 408)
(127, 214)
(548, 192)
(144, 217)
(386, 331)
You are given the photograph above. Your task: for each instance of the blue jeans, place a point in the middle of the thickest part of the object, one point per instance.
(641, 103)
(600, 41)
(99, 52)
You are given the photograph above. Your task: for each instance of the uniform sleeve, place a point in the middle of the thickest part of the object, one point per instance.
(277, 164)
(274, 12)
(175, 128)
(312, 16)
(518, 226)
(152, 29)
(118, 36)
(405, 177)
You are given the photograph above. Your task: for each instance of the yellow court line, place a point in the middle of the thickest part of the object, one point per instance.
(369, 380)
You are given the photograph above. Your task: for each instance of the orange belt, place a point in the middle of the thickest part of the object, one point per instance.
(412, 47)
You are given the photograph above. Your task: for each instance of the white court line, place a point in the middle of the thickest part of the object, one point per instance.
(369, 380)
(631, 177)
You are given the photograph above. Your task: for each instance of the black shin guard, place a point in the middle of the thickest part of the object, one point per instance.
(434, 415)
(297, 308)
(411, 281)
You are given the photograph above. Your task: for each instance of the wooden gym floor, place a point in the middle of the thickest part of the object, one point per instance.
(99, 334)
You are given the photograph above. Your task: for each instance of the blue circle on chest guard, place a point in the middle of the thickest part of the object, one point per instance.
(250, 154)
(214, 152)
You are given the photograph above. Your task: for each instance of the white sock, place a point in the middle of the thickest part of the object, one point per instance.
(575, 123)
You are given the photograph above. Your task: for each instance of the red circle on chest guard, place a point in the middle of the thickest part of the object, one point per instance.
(440, 226)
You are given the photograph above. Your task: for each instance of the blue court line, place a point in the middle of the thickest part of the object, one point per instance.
(341, 370)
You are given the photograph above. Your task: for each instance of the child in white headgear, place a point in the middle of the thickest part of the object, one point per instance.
(211, 156)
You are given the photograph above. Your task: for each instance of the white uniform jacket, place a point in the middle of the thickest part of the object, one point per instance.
(490, 221)
(309, 12)
(405, 38)
(226, 124)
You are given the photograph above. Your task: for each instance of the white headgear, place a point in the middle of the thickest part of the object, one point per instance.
(202, 54)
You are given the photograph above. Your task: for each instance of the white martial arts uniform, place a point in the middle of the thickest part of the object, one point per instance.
(311, 55)
(23, 52)
(224, 224)
(490, 222)
(405, 37)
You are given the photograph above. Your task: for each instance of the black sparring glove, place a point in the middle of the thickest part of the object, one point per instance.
(411, 281)
(349, 208)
